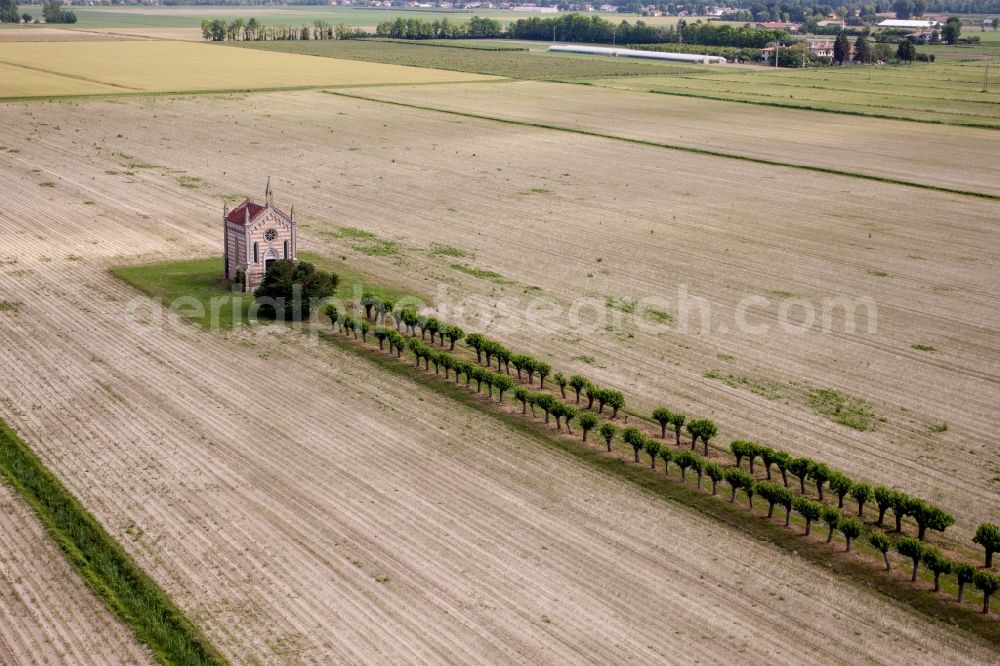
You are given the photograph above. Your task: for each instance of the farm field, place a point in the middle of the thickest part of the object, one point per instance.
(361, 495)
(941, 93)
(517, 64)
(924, 270)
(961, 159)
(169, 66)
(47, 613)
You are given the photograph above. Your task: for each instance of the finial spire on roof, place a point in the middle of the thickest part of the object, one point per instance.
(267, 192)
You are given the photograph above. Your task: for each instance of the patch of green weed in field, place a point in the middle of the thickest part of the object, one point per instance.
(765, 388)
(482, 273)
(845, 410)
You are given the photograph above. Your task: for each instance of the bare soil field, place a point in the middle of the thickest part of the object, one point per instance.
(41, 34)
(963, 159)
(544, 209)
(366, 518)
(47, 613)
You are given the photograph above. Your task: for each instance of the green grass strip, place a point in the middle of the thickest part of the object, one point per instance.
(685, 149)
(109, 571)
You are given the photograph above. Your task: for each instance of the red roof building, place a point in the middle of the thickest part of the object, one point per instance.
(254, 237)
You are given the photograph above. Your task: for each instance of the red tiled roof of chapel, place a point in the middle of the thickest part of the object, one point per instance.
(238, 214)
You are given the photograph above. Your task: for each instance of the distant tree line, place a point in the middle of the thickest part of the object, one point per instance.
(412, 28)
(8, 12)
(580, 28)
(53, 12)
(218, 30)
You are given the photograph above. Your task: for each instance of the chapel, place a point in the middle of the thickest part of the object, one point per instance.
(255, 236)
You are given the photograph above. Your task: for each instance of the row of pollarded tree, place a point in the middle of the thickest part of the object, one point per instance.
(447, 358)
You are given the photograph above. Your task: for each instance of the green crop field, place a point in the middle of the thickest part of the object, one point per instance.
(517, 64)
(948, 93)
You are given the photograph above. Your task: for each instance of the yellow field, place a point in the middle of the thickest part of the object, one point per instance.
(20, 82)
(72, 68)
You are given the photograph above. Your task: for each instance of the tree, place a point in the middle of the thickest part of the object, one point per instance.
(841, 485)
(831, 516)
(8, 11)
(851, 529)
(750, 487)
(363, 328)
(951, 30)
(546, 401)
(543, 370)
(737, 478)
(903, 9)
(560, 380)
(662, 415)
(767, 456)
(901, 507)
(913, 549)
(809, 509)
(475, 341)
(333, 314)
(739, 448)
(411, 319)
(381, 333)
(518, 361)
(634, 437)
(521, 395)
(446, 360)
(502, 382)
(608, 431)
(454, 334)
(714, 472)
(291, 288)
(929, 516)
(587, 423)
(576, 382)
(883, 500)
(349, 326)
(666, 455)
(964, 573)
(652, 448)
(988, 536)
(703, 428)
(862, 493)
(530, 365)
(906, 51)
(862, 50)
(616, 401)
(53, 12)
(800, 468)
(698, 465)
(677, 420)
(753, 452)
(430, 325)
(881, 543)
(841, 49)
(988, 583)
(937, 563)
(684, 459)
(782, 460)
(819, 473)
(774, 493)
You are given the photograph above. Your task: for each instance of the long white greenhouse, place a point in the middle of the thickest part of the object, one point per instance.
(636, 53)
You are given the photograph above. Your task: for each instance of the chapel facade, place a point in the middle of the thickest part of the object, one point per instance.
(255, 236)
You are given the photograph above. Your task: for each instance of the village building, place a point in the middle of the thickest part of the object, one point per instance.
(254, 237)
